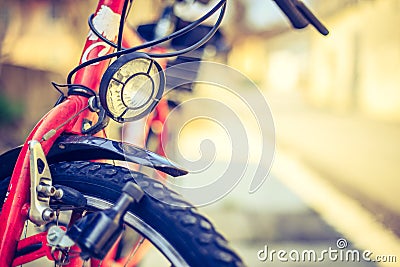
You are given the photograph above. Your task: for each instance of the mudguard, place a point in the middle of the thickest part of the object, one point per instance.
(75, 147)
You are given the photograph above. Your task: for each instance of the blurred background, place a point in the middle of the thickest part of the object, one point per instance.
(335, 102)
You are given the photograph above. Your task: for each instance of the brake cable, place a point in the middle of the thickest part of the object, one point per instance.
(220, 5)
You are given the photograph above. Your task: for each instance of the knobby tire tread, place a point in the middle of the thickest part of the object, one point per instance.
(190, 233)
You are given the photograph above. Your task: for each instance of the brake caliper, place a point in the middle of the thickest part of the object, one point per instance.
(42, 189)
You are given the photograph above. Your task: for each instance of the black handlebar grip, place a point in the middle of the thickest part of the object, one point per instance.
(312, 18)
(296, 18)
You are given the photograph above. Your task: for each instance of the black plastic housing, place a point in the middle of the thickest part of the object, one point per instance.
(96, 233)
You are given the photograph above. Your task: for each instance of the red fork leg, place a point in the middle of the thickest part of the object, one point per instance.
(38, 240)
(14, 214)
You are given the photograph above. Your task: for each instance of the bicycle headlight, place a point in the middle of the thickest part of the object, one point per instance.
(131, 87)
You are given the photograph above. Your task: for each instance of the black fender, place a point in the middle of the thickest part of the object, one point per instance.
(76, 147)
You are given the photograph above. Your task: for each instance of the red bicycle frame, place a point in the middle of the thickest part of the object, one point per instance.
(67, 117)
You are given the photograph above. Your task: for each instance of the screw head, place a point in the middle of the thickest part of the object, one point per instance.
(48, 215)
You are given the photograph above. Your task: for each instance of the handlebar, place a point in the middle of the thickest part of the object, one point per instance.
(300, 16)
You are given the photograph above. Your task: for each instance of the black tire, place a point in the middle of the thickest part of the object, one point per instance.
(162, 216)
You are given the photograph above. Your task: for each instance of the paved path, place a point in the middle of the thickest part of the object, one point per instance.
(358, 155)
(278, 218)
(355, 162)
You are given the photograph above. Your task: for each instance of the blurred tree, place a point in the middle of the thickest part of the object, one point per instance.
(10, 110)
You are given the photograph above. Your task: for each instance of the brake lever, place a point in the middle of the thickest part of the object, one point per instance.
(296, 18)
(306, 12)
(300, 16)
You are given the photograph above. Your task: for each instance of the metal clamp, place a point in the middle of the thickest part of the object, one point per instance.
(41, 186)
(102, 121)
(56, 237)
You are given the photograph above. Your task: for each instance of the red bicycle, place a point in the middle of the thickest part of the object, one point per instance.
(62, 178)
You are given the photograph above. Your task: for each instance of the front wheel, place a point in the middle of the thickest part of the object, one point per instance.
(171, 224)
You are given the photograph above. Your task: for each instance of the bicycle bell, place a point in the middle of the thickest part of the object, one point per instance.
(131, 87)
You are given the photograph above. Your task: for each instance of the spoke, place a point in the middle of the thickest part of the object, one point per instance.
(133, 252)
(25, 231)
(57, 216)
(26, 228)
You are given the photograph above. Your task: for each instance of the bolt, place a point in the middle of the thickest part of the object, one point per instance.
(52, 236)
(48, 215)
(47, 190)
(59, 194)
